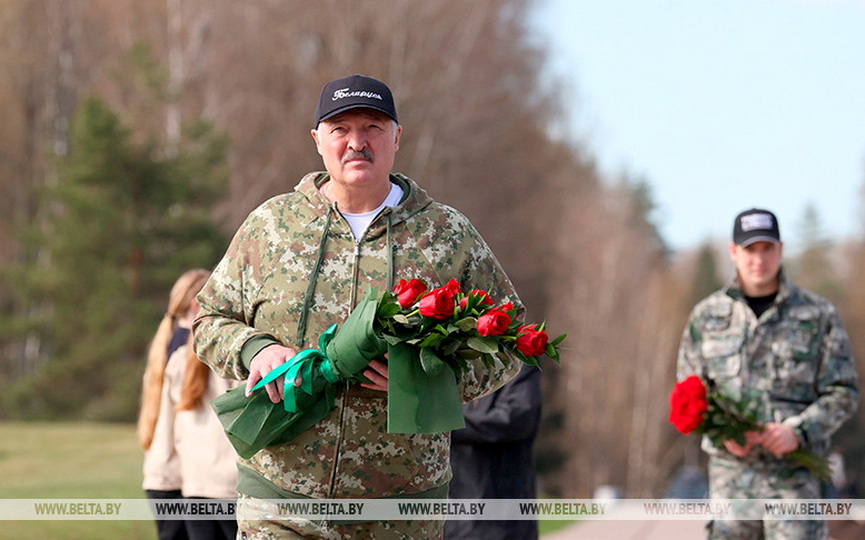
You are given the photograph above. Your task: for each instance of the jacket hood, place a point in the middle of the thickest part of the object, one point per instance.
(414, 198)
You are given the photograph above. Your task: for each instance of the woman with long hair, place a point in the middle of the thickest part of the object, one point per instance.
(186, 452)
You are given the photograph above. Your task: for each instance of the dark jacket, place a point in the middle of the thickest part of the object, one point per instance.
(492, 457)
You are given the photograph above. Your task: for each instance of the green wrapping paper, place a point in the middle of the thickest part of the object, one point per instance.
(357, 342)
(422, 396)
(418, 400)
(254, 422)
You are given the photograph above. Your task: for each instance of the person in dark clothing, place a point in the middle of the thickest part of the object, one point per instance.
(492, 457)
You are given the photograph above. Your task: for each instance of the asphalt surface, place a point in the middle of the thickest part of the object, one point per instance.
(631, 530)
(673, 530)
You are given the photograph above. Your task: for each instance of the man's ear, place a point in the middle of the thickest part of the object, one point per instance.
(396, 137)
(314, 133)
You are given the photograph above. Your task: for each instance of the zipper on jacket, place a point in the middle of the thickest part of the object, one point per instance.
(352, 300)
(344, 400)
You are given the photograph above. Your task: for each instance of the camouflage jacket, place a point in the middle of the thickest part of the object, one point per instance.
(261, 289)
(795, 360)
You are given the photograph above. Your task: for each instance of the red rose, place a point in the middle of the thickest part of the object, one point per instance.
(407, 292)
(688, 404)
(453, 286)
(507, 306)
(437, 304)
(485, 298)
(494, 323)
(531, 341)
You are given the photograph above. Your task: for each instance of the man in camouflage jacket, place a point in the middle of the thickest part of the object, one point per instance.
(295, 267)
(763, 338)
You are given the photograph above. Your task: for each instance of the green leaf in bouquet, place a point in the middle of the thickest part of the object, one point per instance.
(533, 361)
(392, 340)
(461, 365)
(431, 340)
(389, 310)
(551, 351)
(483, 344)
(468, 354)
(401, 319)
(513, 351)
(818, 466)
(430, 362)
(450, 347)
(467, 324)
(388, 297)
(556, 342)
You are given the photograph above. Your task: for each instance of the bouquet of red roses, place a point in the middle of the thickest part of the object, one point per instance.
(422, 331)
(696, 409)
(452, 326)
(428, 330)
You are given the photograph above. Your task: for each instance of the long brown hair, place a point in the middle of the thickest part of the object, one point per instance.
(182, 294)
(195, 378)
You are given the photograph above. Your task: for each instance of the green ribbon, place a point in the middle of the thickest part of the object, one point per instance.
(422, 396)
(302, 364)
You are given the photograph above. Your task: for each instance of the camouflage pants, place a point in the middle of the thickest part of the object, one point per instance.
(763, 480)
(253, 525)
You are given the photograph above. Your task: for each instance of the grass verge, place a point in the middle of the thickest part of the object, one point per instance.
(41, 460)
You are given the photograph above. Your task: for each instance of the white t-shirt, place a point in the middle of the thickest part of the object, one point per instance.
(360, 222)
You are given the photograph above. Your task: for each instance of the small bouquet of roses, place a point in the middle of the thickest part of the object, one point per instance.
(422, 331)
(452, 326)
(696, 409)
(428, 330)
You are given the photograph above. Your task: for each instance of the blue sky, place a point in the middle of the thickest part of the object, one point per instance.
(721, 105)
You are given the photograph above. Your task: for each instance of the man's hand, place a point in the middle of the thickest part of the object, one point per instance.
(752, 438)
(779, 439)
(377, 373)
(268, 359)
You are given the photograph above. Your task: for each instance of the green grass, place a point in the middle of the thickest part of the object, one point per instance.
(73, 461)
(550, 526)
(41, 460)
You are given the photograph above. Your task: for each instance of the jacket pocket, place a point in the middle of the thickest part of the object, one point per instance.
(796, 351)
(722, 353)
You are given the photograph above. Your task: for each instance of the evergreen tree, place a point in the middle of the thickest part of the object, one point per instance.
(814, 267)
(705, 274)
(124, 220)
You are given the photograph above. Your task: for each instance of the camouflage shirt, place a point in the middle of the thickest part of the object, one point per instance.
(260, 289)
(794, 359)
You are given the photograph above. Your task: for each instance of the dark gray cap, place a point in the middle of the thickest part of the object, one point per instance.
(756, 225)
(356, 91)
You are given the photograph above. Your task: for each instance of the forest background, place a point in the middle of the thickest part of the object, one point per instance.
(137, 135)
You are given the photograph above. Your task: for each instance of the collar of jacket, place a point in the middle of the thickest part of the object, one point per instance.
(414, 198)
(734, 288)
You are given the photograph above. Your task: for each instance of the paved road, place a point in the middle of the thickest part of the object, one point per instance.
(673, 530)
(631, 530)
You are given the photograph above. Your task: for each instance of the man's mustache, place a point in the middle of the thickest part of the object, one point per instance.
(352, 154)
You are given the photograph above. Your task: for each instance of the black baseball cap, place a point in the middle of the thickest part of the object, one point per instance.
(354, 92)
(756, 225)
